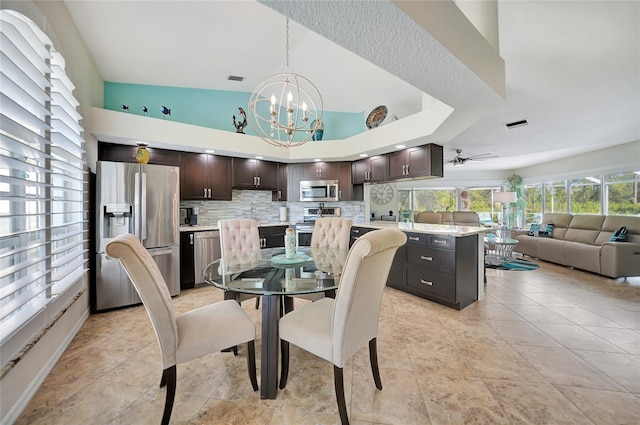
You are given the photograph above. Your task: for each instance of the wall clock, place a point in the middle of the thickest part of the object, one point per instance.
(381, 194)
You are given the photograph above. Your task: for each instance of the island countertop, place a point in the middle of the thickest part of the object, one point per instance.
(435, 229)
(200, 228)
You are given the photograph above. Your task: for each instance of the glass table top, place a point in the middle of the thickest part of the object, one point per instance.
(317, 270)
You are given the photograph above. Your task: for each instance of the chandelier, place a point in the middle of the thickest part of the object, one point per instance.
(285, 110)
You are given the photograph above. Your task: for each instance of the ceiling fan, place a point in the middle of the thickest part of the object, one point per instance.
(459, 160)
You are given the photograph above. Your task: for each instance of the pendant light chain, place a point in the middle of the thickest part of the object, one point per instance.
(287, 45)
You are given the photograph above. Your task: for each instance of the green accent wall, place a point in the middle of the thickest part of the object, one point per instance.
(210, 108)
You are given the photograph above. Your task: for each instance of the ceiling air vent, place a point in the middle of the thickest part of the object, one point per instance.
(517, 124)
(235, 78)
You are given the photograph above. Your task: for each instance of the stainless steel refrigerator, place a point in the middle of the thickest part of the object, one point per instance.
(143, 200)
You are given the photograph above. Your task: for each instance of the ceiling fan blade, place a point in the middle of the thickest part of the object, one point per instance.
(483, 156)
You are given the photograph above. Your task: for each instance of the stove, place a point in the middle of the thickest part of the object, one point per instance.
(304, 228)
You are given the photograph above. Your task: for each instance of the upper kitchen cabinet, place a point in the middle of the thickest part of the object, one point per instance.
(418, 162)
(370, 170)
(255, 174)
(125, 153)
(282, 193)
(321, 171)
(205, 177)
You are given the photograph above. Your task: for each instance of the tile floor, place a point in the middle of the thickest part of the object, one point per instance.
(551, 346)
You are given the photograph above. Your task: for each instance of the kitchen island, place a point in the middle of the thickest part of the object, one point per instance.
(441, 263)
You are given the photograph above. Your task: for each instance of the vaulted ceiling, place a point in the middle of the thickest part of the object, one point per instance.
(571, 68)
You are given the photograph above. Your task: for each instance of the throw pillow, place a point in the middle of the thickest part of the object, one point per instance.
(541, 230)
(619, 235)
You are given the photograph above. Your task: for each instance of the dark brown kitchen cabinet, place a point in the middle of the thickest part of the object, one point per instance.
(187, 271)
(255, 174)
(125, 153)
(272, 236)
(421, 161)
(370, 170)
(282, 193)
(345, 186)
(205, 177)
(321, 171)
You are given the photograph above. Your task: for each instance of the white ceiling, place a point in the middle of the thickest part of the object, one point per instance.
(572, 67)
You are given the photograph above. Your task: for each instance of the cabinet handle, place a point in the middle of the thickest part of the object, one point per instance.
(355, 230)
(279, 194)
(440, 241)
(205, 193)
(191, 239)
(339, 195)
(403, 169)
(209, 193)
(368, 175)
(426, 282)
(258, 180)
(414, 238)
(422, 257)
(407, 169)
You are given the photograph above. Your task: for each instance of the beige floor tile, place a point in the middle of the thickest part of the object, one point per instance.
(498, 361)
(437, 357)
(582, 316)
(622, 368)
(453, 400)
(575, 337)
(629, 319)
(605, 407)
(399, 402)
(626, 339)
(534, 403)
(536, 313)
(561, 366)
(521, 333)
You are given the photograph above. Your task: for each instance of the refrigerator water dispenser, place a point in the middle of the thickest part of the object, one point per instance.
(117, 219)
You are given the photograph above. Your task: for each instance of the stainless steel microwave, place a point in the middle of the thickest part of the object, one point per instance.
(319, 191)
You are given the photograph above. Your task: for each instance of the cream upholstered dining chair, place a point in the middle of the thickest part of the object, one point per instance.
(328, 232)
(190, 335)
(239, 244)
(335, 329)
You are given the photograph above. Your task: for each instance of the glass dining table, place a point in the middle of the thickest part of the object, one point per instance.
(273, 276)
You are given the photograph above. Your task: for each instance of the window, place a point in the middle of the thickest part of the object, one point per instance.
(555, 197)
(434, 200)
(43, 182)
(585, 195)
(621, 193)
(533, 204)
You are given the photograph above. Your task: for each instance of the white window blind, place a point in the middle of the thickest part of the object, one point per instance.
(43, 179)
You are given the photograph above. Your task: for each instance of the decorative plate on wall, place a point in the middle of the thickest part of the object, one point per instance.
(376, 116)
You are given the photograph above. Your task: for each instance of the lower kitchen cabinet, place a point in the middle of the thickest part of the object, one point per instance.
(443, 269)
(187, 275)
(272, 236)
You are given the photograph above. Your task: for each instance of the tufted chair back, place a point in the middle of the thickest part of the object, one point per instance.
(239, 241)
(331, 232)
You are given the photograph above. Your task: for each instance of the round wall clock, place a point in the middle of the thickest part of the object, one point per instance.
(381, 194)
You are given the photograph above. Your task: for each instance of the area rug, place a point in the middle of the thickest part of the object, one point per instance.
(515, 264)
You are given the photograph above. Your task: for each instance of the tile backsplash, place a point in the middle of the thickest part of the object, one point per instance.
(257, 204)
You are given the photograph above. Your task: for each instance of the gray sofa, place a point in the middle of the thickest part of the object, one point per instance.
(582, 241)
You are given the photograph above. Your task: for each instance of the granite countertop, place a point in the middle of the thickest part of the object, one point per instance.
(435, 229)
(215, 227)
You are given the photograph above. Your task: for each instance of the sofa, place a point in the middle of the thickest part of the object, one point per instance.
(582, 242)
(452, 218)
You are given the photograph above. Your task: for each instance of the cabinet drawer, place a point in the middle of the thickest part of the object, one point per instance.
(416, 238)
(432, 283)
(445, 242)
(432, 259)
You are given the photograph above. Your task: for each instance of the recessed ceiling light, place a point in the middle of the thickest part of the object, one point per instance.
(400, 146)
(258, 157)
(209, 151)
(364, 155)
(235, 78)
(317, 160)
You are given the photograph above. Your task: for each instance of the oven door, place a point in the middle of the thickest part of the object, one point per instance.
(303, 236)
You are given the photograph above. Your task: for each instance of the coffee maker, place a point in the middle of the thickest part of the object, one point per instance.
(185, 216)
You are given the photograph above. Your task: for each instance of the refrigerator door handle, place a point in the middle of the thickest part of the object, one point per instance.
(157, 251)
(143, 209)
(136, 205)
